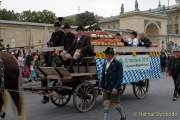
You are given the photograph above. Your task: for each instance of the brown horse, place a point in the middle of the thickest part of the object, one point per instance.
(11, 80)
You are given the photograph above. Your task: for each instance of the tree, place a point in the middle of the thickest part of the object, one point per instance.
(25, 16)
(8, 15)
(44, 16)
(86, 18)
(68, 21)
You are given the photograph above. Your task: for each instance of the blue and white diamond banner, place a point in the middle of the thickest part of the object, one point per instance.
(135, 68)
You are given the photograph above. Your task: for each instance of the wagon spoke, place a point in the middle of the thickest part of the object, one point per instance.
(143, 89)
(87, 89)
(81, 89)
(141, 92)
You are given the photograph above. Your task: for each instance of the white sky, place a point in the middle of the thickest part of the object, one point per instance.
(104, 8)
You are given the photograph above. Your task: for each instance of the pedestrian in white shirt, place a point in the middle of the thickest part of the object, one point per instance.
(133, 41)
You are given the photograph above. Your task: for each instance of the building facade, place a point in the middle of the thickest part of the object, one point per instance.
(24, 34)
(162, 24)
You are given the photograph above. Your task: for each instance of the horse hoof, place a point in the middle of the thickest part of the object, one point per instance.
(2, 114)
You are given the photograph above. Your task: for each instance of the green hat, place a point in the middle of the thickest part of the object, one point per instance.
(109, 51)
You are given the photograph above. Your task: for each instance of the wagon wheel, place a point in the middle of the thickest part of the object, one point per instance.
(122, 89)
(84, 97)
(62, 98)
(140, 89)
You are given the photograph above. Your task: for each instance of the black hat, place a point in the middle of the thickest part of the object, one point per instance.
(66, 26)
(98, 28)
(134, 33)
(109, 51)
(80, 28)
(57, 24)
(60, 19)
(118, 34)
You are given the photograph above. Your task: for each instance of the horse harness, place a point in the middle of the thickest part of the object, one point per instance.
(2, 86)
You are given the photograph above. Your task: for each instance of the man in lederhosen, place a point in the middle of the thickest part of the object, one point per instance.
(112, 77)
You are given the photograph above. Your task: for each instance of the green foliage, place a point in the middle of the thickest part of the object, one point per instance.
(69, 21)
(86, 18)
(44, 16)
(8, 15)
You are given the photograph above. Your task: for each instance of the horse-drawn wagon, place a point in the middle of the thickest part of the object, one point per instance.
(140, 64)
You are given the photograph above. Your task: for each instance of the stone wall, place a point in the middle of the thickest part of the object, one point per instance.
(24, 35)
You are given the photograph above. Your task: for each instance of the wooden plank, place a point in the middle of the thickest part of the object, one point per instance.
(127, 49)
(47, 49)
(64, 72)
(54, 77)
(49, 71)
(82, 74)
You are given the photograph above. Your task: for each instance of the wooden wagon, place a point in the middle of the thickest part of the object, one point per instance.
(61, 84)
(83, 84)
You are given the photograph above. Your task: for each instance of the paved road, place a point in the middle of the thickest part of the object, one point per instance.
(158, 102)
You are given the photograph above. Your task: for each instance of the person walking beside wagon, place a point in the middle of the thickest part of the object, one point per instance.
(174, 70)
(111, 83)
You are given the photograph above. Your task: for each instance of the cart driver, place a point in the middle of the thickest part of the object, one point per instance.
(111, 83)
(58, 36)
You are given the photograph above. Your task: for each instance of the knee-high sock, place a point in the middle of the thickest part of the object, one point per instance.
(106, 114)
(121, 111)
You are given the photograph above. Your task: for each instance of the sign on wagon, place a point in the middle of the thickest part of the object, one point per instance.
(134, 62)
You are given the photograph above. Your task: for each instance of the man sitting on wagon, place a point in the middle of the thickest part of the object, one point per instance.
(133, 41)
(120, 38)
(80, 48)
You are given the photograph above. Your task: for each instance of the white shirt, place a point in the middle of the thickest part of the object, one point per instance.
(108, 64)
(133, 42)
